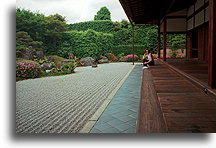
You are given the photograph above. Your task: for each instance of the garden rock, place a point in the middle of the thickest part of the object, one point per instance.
(88, 61)
(103, 59)
(122, 59)
(28, 54)
(70, 56)
(67, 61)
(50, 59)
(94, 65)
(40, 55)
(48, 71)
(46, 66)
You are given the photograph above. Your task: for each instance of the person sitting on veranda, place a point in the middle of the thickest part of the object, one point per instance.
(148, 58)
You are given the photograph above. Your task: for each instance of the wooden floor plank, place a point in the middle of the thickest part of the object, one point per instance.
(184, 107)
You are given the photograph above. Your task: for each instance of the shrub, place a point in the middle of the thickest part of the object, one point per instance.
(111, 57)
(180, 55)
(69, 67)
(129, 58)
(166, 57)
(57, 60)
(28, 69)
(120, 55)
(174, 54)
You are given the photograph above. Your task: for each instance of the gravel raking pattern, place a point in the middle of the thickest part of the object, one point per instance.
(63, 104)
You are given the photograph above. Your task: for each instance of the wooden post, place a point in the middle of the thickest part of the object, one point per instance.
(133, 41)
(189, 46)
(164, 39)
(211, 53)
(159, 40)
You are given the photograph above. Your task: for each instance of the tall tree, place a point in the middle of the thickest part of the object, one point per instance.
(30, 22)
(103, 14)
(55, 26)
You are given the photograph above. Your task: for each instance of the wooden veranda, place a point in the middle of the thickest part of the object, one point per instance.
(172, 103)
(178, 96)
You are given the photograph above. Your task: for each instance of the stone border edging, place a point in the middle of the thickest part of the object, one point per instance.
(92, 121)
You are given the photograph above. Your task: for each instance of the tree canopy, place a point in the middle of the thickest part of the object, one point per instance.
(103, 14)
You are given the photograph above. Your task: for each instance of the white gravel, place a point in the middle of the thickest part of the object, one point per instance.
(63, 104)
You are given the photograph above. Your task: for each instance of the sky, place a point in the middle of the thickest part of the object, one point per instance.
(74, 10)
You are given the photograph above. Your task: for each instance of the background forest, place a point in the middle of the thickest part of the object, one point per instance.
(52, 35)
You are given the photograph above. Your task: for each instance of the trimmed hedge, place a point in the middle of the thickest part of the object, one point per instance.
(86, 43)
(97, 25)
(127, 49)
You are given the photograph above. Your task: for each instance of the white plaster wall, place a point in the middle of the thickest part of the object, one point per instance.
(207, 14)
(176, 25)
(199, 3)
(199, 18)
(190, 10)
(190, 24)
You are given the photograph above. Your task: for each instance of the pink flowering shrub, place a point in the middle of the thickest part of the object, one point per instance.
(129, 58)
(27, 69)
(166, 57)
(180, 55)
(111, 57)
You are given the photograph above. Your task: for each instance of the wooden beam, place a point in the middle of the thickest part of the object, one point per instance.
(164, 39)
(159, 40)
(133, 42)
(211, 53)
(150, 116)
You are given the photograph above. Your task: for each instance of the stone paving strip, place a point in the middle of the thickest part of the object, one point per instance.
(64, 104)
(120, 116)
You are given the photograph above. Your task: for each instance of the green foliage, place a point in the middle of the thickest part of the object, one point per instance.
(40, 61)
(124, 24)
(178, 41)
(27, 69)
(99, 26)
(120, 55)
(91, 38)
(87, 43)
(127, 49)
(69, 66)
(57, 60)
(150, 38)
(30, 22)
(145, 35)
(103, 14)
(122, 37)
(24, 41)
(44, 29)
(56, 25)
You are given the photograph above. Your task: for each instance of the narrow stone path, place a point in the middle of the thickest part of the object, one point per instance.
(63, 104)
(121, 114)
